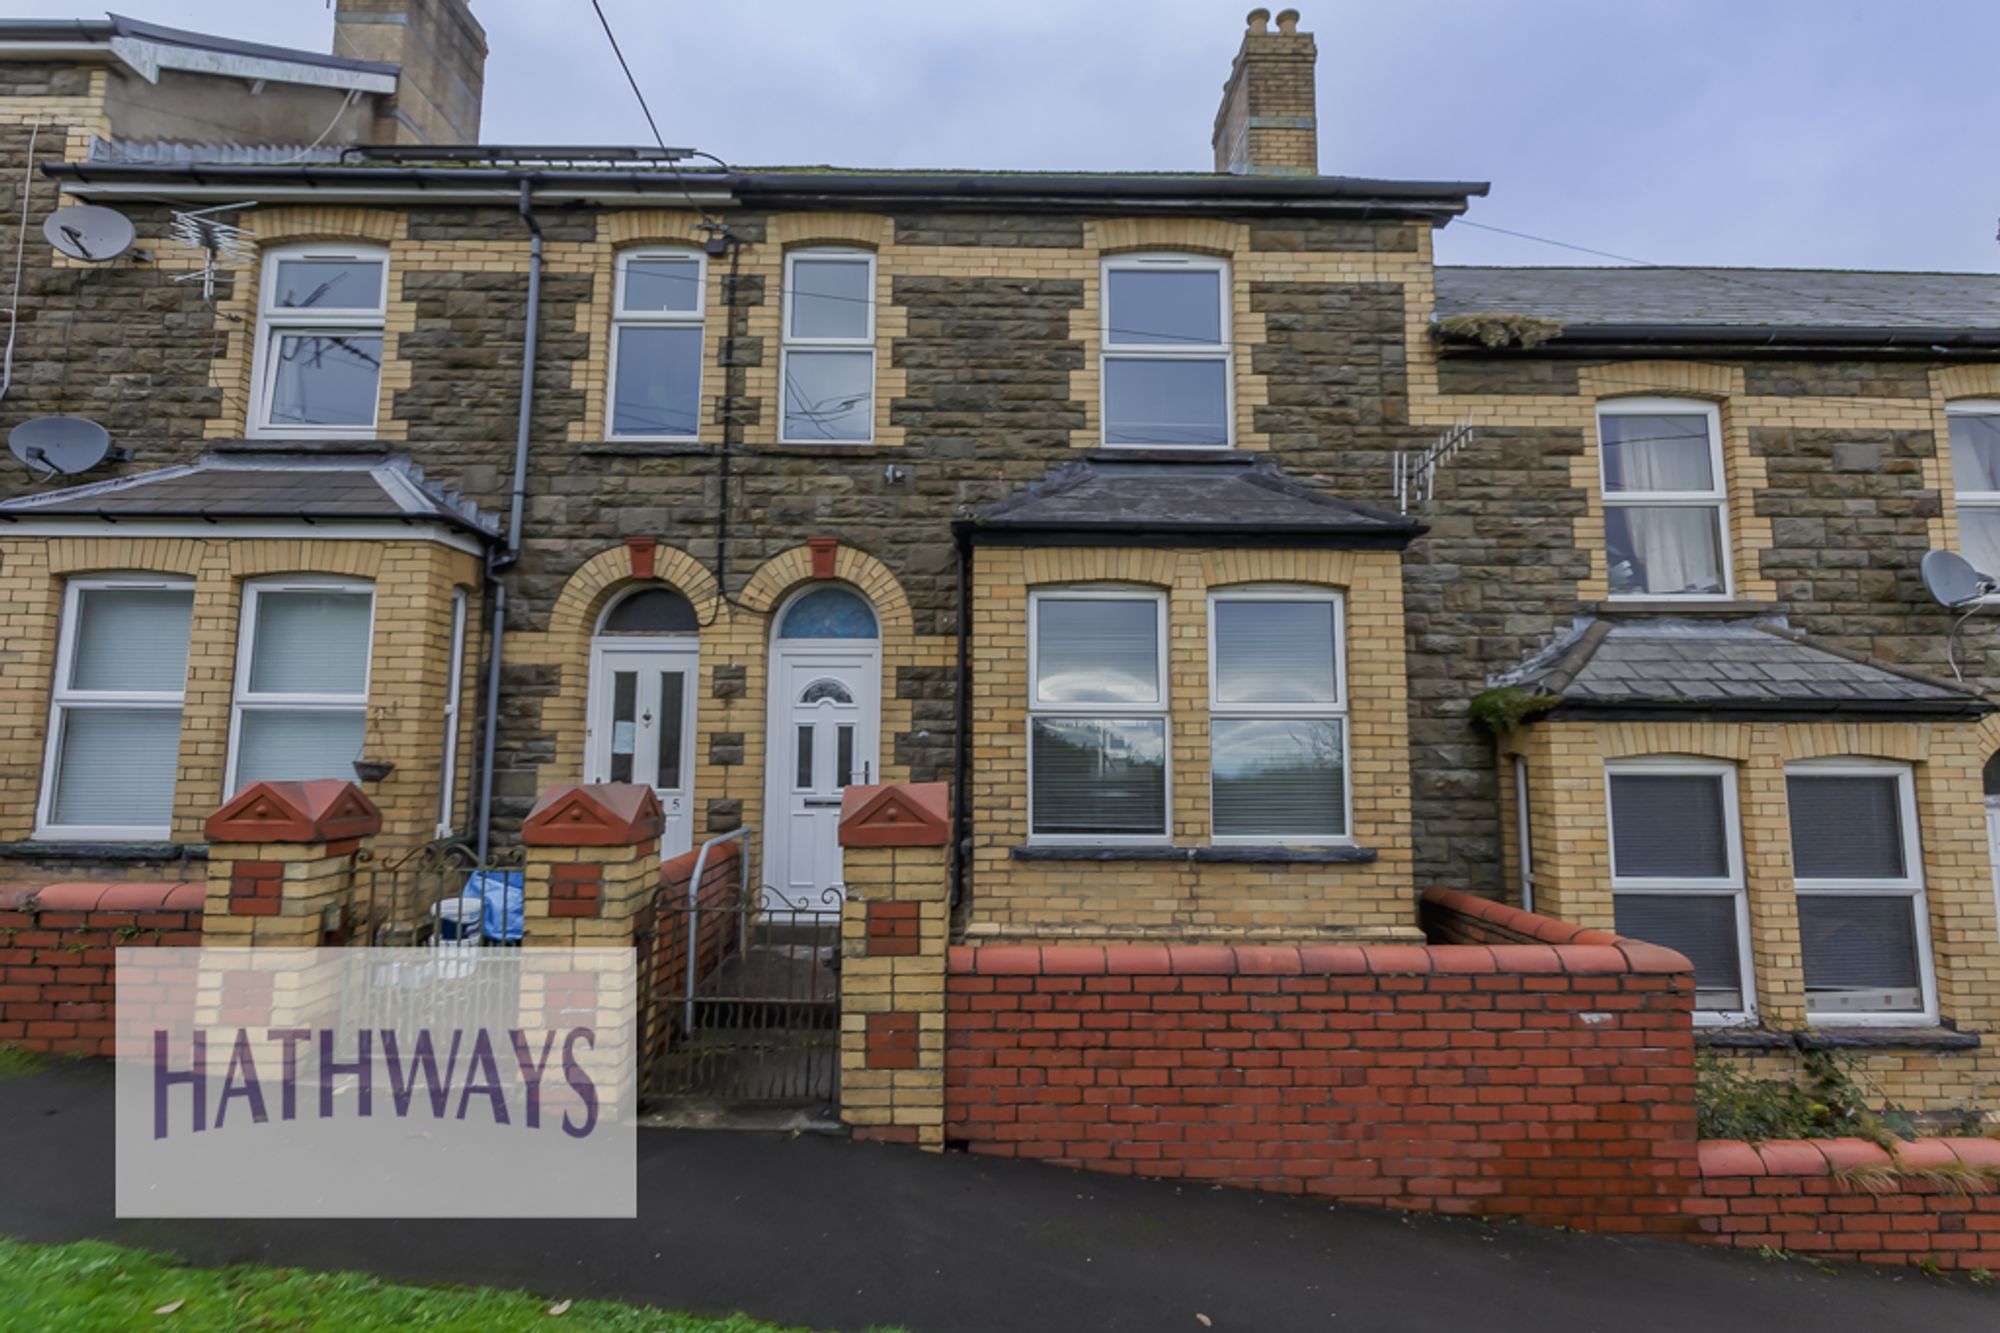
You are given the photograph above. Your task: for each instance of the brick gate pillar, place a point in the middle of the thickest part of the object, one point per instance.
(593, 862)
(894, 932)
(281, 863)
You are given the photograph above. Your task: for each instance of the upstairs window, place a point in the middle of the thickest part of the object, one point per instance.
(1864, 936)
(1677, 874)
(1097, 725)
(1975, 470)
(1278, 724)
(1665, 525)
(1166, 351)
(115, 727)
(301, 707)
(828, 365)
(319, 342)
(656, 331)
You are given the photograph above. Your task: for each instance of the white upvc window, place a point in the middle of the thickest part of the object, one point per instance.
(1666, 519)
(827, 364)
(115, 717)
(656, 338)
(1975, 469)
(1278, 735)
(1097, 716)
(321, 310)
(454, 691)
(1864, 928)
(1677, 874)
(1165, 348)
(301, 701)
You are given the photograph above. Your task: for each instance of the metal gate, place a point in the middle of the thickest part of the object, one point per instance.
(441, 894)
(741, 990)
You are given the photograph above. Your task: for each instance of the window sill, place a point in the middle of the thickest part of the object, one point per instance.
(1674, 606)
(1229, 855)
(134, 852)
(1837, 1039)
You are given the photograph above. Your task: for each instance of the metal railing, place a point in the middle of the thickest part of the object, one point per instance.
(694, 903)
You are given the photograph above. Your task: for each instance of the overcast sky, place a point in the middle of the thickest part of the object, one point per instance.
(1837, 133)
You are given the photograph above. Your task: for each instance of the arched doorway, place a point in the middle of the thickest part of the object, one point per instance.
(824, 736)
(640, 726)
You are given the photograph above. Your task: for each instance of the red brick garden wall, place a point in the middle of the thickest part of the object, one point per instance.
(1933, 1202)
(1550, 1082)
(58, 952)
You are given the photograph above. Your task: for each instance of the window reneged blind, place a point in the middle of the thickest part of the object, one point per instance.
(1279, 779)
(1275, 652)
(131, 639)
(310, 642)
(1846, 827)
(1100, 776)
(116, 766)
(1669, 826)
(1701, 926)
(1097, 650)
(1859, 942)
(297, 744)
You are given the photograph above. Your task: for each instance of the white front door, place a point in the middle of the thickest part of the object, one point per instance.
(825, 737)
(641, 727)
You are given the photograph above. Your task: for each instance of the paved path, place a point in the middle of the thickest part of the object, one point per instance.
(838, 1235)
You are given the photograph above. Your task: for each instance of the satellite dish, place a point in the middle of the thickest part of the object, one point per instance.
(89, 232)
(60, 444)
(1952, 581)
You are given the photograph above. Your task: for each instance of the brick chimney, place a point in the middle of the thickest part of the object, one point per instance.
(442, 51)
(1266, 126)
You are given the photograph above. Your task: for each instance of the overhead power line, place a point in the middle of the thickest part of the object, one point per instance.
(612, 37)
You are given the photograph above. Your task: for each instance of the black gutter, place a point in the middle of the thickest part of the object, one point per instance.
(115, 516)
(1765, 710)
(1085, 533)
(961, 749)
(1651, 339)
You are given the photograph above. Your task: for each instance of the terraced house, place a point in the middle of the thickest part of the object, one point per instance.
(474, 469)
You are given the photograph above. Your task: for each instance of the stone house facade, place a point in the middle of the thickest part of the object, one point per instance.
(1078, 492)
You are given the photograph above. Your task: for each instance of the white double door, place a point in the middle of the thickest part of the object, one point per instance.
(641, 727)
(825, 736)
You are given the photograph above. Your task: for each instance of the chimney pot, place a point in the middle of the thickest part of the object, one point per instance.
(1259, 20)
(1288, 21)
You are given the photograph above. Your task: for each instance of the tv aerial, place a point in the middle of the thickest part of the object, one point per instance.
(89, 232)
(63, 446)
(1956, 586)
(222, 243)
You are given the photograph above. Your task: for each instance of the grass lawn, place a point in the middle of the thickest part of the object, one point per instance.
(91, 1285)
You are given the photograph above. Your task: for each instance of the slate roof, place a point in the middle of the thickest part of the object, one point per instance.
(1725, 298)
(355, 487)
(1217, 496)
(117, 25)
(1741, 667)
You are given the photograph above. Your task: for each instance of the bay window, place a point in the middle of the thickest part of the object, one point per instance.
(1864, 937)
(656, 334)
(1677, 874)
(1666, 530)
(1097, 724)
(1165, 343)
(827, 364)
(115, 721)
(301, 703)
(1975, 470)
(1278, 717)
(320, 320)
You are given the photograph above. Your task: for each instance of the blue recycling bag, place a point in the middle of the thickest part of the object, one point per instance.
(503, 893)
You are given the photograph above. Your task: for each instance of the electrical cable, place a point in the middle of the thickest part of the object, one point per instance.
(20, 249)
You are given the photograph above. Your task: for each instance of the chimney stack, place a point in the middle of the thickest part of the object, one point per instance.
(442, 51)
(1266, 126)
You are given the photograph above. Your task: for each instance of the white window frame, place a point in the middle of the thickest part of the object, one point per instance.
(1717, 498)
(1109, 349)
(243, 700)
(454, 692)
(789, 343)
(63, 699)
(1731, 884)
(1159, 708)
(1986, 500)
(275, 322)
(1910, 884)
(1337, 710)
(622, 319)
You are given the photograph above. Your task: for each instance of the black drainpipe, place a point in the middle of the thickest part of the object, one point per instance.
(961, 745)
(500, 561)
